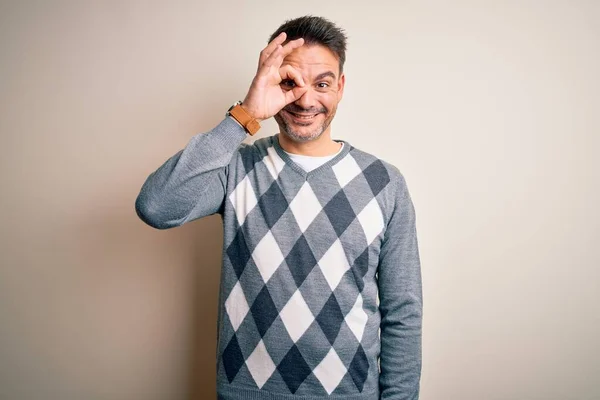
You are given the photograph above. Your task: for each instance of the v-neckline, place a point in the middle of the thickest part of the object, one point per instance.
(317, 171)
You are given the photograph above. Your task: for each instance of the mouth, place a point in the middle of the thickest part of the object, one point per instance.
(304, 118)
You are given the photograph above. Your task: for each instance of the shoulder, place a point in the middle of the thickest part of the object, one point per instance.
(258, 148)
(386, 182)
(249, 154)
(378, 171)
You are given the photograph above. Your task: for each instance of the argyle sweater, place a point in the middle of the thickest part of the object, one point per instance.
(320, 294)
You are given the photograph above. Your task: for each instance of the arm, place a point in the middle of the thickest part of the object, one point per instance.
(192, 183)
(401, 303)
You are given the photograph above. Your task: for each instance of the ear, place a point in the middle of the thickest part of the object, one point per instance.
(341, 84)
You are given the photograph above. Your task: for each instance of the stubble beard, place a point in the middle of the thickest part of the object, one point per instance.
(290, 130)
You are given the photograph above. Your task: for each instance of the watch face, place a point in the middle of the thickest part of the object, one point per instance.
(233, 105)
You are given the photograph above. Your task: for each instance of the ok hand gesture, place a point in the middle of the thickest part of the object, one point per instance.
(266, 97)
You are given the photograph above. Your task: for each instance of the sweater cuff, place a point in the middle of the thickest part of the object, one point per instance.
(229, 134)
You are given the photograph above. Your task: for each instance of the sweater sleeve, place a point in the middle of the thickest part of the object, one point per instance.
(192, 183)
(401, 303)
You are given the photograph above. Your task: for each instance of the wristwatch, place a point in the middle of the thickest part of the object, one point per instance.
(250, 124)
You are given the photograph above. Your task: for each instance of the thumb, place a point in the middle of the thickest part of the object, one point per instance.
(295, 94)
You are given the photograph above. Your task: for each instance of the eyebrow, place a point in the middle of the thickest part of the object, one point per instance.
(325, 75)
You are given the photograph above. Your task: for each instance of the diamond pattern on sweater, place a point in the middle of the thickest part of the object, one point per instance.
(334, 264)
(296, 313)
(330, 319)
(249, 162)
(293, 369)
(238, 253)
(330, 371)
(346, 293)
(296, 316)
(273, 204)
(243, 199)
(236, 306)
(273, 162)
(302, 260)
(318, 291)
(264, 311)
(305, 207)
(233, 359)
(346, 170)
(280, 342)
(340, 212)
(377, 176)
(313, 345)
(286, 228)
(267, 256)
(371, 220)
(321, 235)
(357, 318)
(360, 266)
(260, 365)
(279, 287)
(359, 368)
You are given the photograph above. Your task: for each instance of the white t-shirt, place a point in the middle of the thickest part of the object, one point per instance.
(308, 163)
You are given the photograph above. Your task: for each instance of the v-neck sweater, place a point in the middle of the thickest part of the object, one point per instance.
(320, 293)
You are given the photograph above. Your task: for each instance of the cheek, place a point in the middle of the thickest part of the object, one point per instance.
(329, 100)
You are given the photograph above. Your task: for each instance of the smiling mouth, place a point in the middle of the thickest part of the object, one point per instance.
(303, 117)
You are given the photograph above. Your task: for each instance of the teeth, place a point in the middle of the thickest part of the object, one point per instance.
(304, 116)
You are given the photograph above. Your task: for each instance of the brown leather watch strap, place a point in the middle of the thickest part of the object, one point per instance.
(246, 120)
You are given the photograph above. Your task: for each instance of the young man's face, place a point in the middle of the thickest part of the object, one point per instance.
(309, 117)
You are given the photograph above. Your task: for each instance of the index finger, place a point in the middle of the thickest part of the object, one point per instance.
(266, 52)
(276, 57)
(292, 45)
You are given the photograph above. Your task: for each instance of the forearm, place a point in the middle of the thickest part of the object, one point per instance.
(191, 184)
(401, 304)
(400, 358)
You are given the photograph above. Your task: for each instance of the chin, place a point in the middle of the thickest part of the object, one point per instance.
(299, 133)
(302, 136)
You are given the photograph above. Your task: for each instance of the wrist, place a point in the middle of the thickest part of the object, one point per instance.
(251, 111)
(243, 118)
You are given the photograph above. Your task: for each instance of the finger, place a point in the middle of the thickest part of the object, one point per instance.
(294, 94)
(289, 72)
(292, 45)
(276, 57)
(279, 39)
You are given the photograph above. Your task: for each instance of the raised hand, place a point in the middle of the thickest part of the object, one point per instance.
(266, 97)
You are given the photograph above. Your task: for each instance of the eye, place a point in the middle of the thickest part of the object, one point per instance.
(288, 83)
(323, 85)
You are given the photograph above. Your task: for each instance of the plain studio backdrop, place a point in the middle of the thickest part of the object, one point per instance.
(489, 108)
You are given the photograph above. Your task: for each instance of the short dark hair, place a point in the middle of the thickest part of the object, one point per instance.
(316, 30)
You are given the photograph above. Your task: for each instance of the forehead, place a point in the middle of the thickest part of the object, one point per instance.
(313, 59)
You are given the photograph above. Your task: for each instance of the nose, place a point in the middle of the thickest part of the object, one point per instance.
(308, 100)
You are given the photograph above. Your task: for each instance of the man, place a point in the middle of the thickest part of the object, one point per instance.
(320, 247)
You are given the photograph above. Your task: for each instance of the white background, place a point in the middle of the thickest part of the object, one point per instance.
(489, 108)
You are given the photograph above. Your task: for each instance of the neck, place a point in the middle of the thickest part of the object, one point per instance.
(320, 147)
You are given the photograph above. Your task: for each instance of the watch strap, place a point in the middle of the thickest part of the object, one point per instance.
(250, 124)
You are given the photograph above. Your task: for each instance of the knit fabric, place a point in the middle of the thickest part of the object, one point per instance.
(314, 264)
